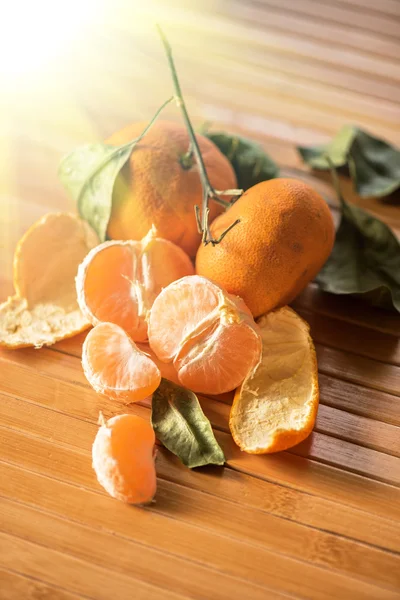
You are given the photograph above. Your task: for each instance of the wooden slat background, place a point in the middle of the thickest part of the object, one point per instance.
(319, 521)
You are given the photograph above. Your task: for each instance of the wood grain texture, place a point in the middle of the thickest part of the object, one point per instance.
(15, 585)
(319, 521)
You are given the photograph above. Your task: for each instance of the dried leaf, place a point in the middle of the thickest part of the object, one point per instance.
(374, 164)
(180, 424)
(249, 161)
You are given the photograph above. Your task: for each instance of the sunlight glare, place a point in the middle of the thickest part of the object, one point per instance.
(35, 32)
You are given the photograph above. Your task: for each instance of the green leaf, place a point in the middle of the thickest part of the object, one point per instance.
(180, 424)
(365, 259)
(89, 174)
(249, 161)
(337, 150)
(374, 164)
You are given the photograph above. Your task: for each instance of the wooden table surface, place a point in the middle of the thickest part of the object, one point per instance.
(319, 521)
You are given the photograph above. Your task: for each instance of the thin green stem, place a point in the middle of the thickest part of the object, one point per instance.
(208, 190)
(198, 219)
(187, 159)
(181, 104)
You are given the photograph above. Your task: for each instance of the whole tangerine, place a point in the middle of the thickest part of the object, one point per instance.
(285, 235)
(160, 185)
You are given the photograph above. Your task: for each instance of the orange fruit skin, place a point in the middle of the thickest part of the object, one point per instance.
(154, 189)
(123, 459)
(285, 235)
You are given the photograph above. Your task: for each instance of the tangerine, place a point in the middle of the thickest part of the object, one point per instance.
(285, 235)
(160, 184)
(209, 335)
(119, 281)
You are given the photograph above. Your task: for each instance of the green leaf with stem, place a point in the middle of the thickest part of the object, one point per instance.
(89, 175)
(208, 191)
(373, 164)
(365, 259)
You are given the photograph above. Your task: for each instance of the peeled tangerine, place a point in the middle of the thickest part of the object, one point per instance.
(209, 335)
(44, 308)
(276, 406)
(123, 459)
(115, 366)
(119, 281)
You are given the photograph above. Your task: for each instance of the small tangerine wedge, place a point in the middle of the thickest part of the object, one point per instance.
(115, 367)
(44, 309)
(123, 459)
(276, 406)
(119, 280)
(209, 335)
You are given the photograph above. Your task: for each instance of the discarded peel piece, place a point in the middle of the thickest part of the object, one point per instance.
(123, 459)
(44, 309)
(209, 335)
(119, 280)
(116, 367)
(276, 406)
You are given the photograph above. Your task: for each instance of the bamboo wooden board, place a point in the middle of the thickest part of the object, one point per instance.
(320, 521)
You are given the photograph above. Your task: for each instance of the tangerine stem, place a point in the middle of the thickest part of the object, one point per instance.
(223, 234)
(208, 190)
(198, 220)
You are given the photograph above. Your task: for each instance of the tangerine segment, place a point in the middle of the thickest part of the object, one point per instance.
(209, 335)
(115, 366)
(276, 406)
(123, 459)
(118, 281)
(44, 308)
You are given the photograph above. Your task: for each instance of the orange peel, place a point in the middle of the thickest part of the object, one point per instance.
(276, 405)
(44, 308)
